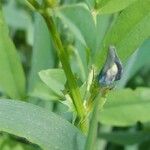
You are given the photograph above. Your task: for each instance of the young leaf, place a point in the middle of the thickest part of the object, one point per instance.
(128, 32)
(126, 107)
(39, 126)
(12, 79)
(55, 79)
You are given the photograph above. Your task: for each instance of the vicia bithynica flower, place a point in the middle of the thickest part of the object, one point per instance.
(112, 69)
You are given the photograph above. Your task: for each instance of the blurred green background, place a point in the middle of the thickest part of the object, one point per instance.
(25, 32)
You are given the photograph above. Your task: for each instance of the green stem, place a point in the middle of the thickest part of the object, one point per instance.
(99, 102)
(74, 90)
(92, 134)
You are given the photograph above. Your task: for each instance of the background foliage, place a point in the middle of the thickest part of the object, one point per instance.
(36, 110)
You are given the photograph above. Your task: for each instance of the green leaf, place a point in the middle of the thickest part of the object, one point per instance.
(135, 63)
(125, 138)
(72, 16)
(12, 79)
(22, 21)
(43, 56)
(111, 6)
(102, 25)
(43, 92)
(12, 143)
(39, 126)
(128, 32)
(126, 107)
(90, 3)
(55, 79)
(142, 58)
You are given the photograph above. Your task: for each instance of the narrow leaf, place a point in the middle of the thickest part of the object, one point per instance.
(128, 32)
(12, 79)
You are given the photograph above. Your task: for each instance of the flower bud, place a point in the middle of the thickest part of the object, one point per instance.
(112, 70)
